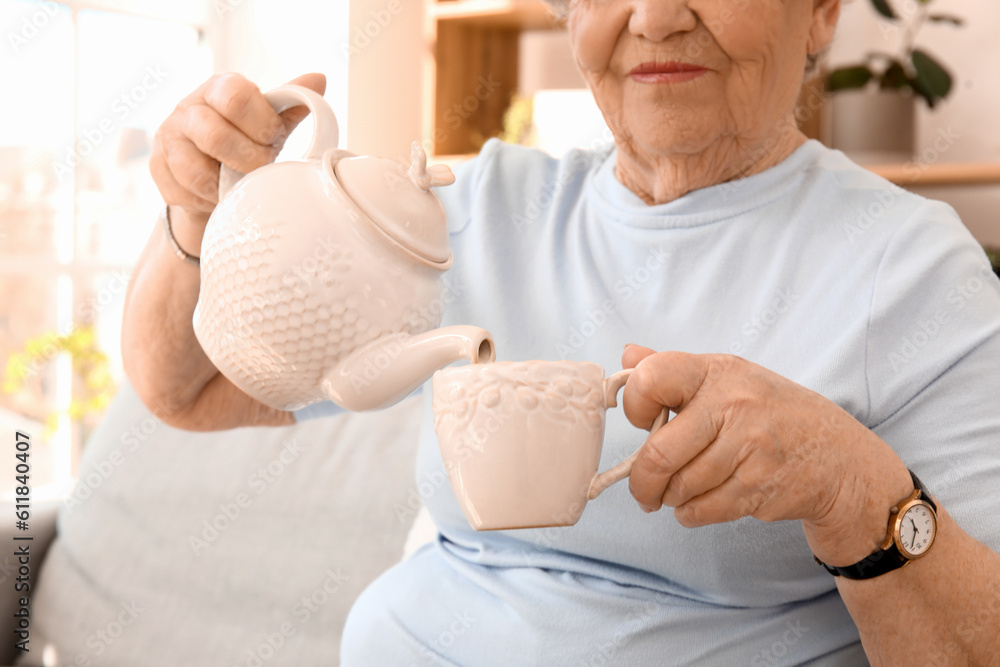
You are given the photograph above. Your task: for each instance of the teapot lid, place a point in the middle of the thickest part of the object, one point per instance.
(399, 200)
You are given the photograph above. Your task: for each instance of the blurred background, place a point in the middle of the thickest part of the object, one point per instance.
(909, 88)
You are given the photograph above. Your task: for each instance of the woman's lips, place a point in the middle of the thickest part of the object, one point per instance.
(668, 72)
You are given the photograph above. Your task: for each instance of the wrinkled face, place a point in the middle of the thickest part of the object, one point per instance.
(676, 76)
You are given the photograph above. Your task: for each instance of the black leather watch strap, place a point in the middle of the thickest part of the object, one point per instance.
(882, 560)
(877, 563)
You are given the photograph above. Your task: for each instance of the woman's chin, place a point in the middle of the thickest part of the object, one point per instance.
(674, 141)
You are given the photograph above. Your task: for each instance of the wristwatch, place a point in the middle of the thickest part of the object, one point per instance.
(910, 535)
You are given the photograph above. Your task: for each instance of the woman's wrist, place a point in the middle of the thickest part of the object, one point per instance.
(187, 229)
(856, 523)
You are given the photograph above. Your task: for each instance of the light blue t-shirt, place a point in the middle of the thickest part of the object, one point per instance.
(816, 269)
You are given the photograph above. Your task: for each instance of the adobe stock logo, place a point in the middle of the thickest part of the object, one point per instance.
(459, 112)
(627, 287)
(910, 346)
(759, 324)
(32, 25)
(121, 108)
(776, 652)
(372, 29)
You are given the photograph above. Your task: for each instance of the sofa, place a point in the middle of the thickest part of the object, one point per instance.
(243, 547)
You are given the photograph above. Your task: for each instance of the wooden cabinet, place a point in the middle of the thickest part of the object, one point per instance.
(475, 45)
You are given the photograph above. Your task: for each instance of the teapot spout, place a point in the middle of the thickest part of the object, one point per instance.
(389, 369)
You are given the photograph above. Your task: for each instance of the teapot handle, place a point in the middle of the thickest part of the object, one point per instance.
(325, 135)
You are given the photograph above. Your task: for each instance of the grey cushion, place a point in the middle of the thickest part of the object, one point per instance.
(242, 547)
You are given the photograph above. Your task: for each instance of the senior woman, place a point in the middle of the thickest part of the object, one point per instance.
(829, 334)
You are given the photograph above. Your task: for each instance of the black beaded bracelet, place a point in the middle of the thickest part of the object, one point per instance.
(178, 250)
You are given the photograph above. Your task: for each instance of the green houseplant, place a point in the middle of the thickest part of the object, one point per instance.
(910, 70)
(94, 387)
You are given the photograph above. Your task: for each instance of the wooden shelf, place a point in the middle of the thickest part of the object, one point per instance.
(915, 174)
(517, 14)
(475, 45)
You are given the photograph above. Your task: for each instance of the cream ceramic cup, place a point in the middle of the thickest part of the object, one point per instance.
(521, 441)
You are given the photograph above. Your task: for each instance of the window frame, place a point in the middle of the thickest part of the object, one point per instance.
(75, 270)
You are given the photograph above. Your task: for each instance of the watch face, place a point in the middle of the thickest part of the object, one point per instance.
(917, 528)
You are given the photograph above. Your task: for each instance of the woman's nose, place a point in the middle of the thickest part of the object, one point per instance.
(656, 20)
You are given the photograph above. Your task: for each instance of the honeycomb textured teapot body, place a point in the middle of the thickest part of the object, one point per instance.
(321, 278)
(295, 308)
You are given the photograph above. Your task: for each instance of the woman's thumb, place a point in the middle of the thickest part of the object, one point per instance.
(313, 80)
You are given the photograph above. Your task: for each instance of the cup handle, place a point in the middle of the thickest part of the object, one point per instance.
(602, 481)
(325, 135)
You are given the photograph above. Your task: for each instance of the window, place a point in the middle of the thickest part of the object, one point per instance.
(85, 90)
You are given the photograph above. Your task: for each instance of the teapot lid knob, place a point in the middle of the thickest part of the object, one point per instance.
(399, 200)
(425, 178)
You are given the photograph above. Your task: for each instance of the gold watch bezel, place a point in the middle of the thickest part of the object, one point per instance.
(895, 522)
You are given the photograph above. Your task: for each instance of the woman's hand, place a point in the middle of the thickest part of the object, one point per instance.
(748, 442)
(225, 120)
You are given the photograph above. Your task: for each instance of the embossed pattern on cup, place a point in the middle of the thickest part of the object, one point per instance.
(521, 440)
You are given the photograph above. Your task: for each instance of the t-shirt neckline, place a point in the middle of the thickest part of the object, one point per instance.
(703, 206)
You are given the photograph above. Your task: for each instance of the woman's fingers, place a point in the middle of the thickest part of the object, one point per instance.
(192, 169)
(226, 120)
(633, 354)
(745, 441)
(241, 103)
(668, 452)
(315, 81)
(710, 468)
(218, 138)
(665, 379)
(727, 501)
(172, 191)
(727, 438)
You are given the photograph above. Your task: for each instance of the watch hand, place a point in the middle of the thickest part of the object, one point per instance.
(915, 531)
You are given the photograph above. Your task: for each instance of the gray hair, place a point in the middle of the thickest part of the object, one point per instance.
(559, 7)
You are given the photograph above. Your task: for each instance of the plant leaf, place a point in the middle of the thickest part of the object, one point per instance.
(946, 18)
(932, 80)
(846, 78)
(930, 99)
(883, 8)
(894, 77)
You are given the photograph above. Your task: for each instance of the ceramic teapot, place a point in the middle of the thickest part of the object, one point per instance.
(321, 278)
